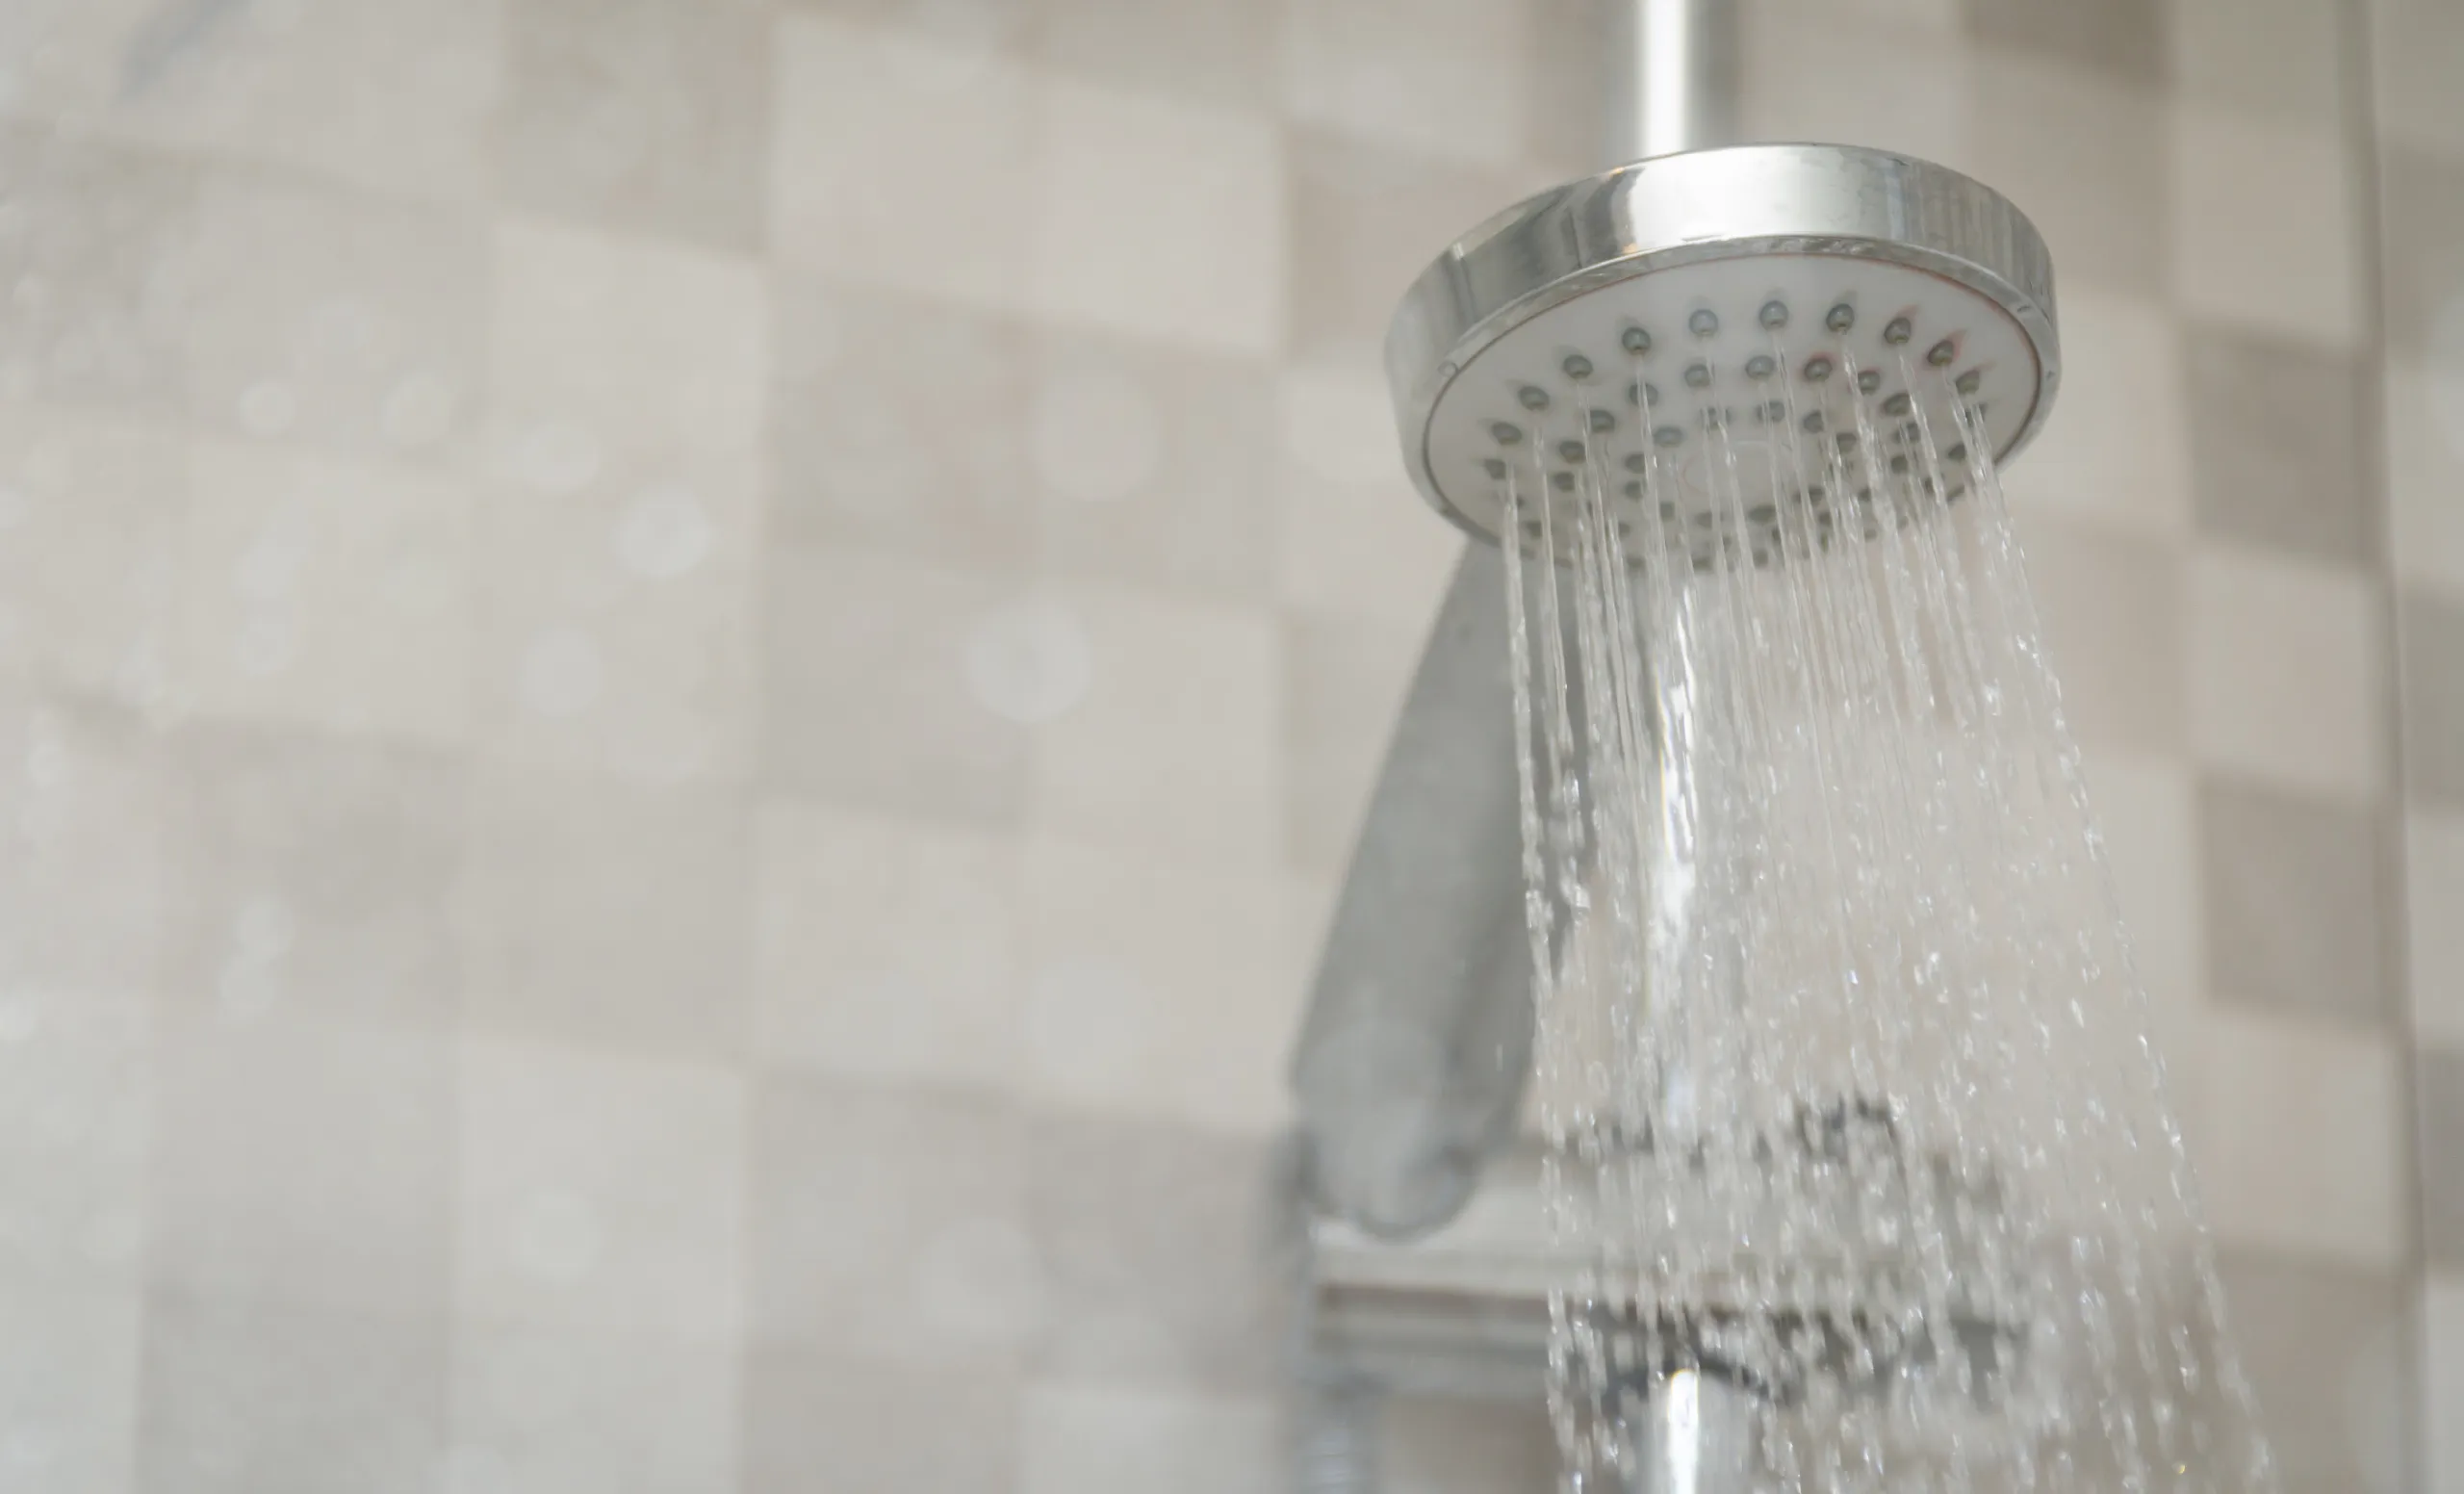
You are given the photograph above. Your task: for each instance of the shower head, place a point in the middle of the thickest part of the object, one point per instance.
(1717, 328)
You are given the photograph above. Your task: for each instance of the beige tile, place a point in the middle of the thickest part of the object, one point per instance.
(902, 423)
(903, 209)
(884, 947)
(93, 511)
(2294, 1129)
(2147, 808)
(1212, 51)
(2421, 209)
(82, 870)
(2117, 445)
(2070, 143)
(972, 28)
(77, 1087)
(2325, 1350)
(1366, 218)
(892, 685)
(1344, 684)
(2275, 444)
(2295, 902)
(2287, 678)
(1434, 1444)
(1451, 77)
(2417, 47)
(324, 593)
(1159, 990)
(817, 1420)
(1811, 76)
(1087, 1439)
(558, 1412)
(644, 118)
(600, 1192)
(2112, 612)
(609, 356)
(616, 626)
(2266, 227)
(359, 91)
(1357, 538)
(2283, 59)
(299, 1167)
(328, 315)
(2443, 1380)
(1154, 466)
(2432, 694)
(2425, 416)
(2438, 1078)
(606, 915)
(1157, 218)
(1152, 1238)
(69, 1383)
(2127, 38)
(247, 1400)
(311, 878)
(892, 1223)
(2433, 890)
(105, 229)
(1175, 747)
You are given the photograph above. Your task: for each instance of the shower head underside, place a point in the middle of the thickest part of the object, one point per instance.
(1704, 338)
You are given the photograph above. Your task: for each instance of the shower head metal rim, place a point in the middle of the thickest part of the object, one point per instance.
(1697, 209)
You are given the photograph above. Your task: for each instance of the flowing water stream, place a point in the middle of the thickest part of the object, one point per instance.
(1854, 1124)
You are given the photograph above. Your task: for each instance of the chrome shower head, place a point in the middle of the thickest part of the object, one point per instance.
(1715, 328)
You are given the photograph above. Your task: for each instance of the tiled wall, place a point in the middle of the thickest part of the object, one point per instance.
(2418, 51)
(686, 678)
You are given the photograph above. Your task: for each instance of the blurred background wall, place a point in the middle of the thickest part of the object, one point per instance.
(684, 680)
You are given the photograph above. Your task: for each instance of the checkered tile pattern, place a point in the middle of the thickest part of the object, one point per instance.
(689, 676)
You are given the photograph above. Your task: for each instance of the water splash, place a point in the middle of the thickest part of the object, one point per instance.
(1855, 1131)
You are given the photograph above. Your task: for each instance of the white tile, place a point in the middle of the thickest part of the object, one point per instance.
(91, 509)
(554, 1411)
(902, 162)
(359, 90)
(615, 626)
(326, 594)
(1354, 537)
(1810, 77)
(2146, 808)
(2287, 672)
(610, 355)
(76, 1113)
(1448, 76)
(2434, 894)
(2280, 59)
(68, 1385)
(2443, 1382)
(2264, 225)
(2117, 446)
(1175, 746)
(600, 1192)
(302, 1168)
(884, 947)
(2425, 466)
(1157, 218)
(1155, 989)
(83, 879)
(1103, 1440)
(2293, 1127)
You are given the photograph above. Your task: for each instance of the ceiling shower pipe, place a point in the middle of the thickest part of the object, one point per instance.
(1414, 1054)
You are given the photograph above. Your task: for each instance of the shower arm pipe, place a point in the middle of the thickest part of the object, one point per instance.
(1415, 1051)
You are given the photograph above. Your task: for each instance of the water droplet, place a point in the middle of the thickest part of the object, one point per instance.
(420, 411)
(664, 532)
(1030, 662)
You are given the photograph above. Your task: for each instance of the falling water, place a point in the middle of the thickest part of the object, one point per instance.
(1854, 1124)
